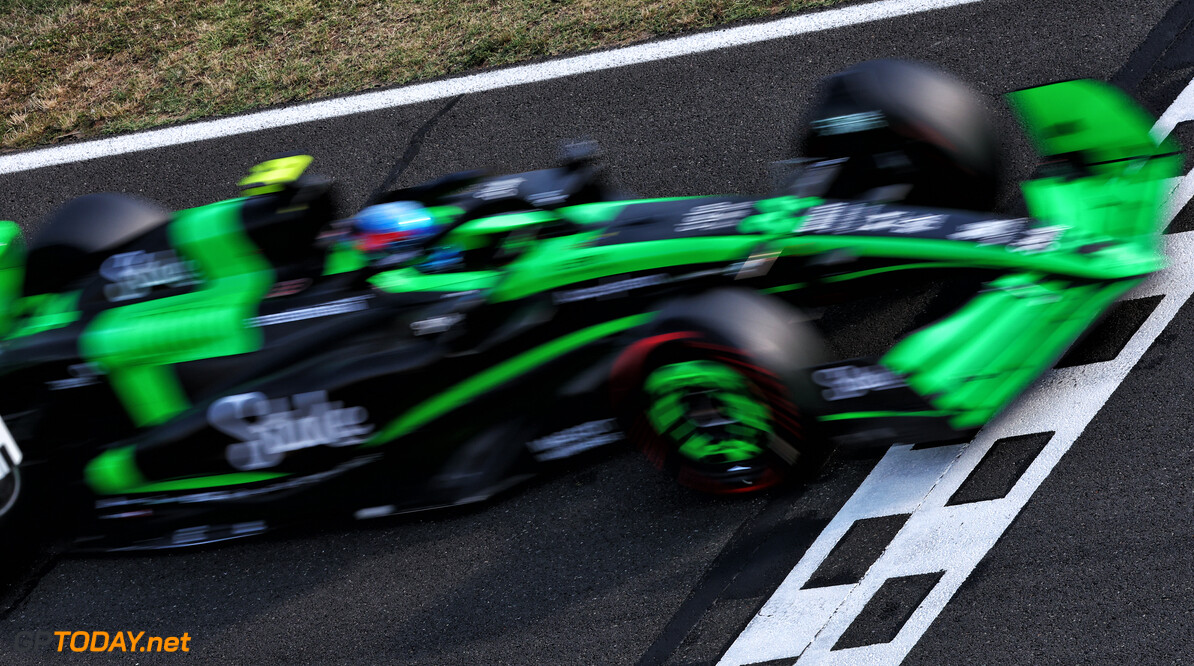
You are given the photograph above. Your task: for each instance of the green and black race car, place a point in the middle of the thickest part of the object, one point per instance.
(180, 378)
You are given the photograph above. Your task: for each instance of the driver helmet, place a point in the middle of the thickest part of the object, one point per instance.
(398, 226)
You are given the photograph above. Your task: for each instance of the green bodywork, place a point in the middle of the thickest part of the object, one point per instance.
(496, 375)
(115, 471)
(967, 366)
(137, 344)
(973, 363)
(45, 312)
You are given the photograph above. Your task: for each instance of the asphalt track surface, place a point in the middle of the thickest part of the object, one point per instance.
(607, 561)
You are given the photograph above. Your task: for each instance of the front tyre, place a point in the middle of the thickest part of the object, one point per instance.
(711, 426)
(719, 396)
(19, 535)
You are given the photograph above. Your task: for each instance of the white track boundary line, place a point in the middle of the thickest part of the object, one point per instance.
(803, 625)
(502, 78)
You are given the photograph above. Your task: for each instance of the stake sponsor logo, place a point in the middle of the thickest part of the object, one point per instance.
(720, 215)
(268, 429)
(329, 309)
(437, 324)
(853, 122)
(902, 222)
(851, 381)
(502, 188)
(990, 232)
(548, 198)
(135, 274)
(81, 374)
(1038, 239)
(1014, 233)
(846, 218)
(610, 288)
(862, 219)
(573, 440)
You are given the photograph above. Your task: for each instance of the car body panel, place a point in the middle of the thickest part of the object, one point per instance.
(225, 368)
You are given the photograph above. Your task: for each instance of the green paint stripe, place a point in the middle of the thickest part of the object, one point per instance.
(468, 389)
(406, 280)
(847, 416)
(115, 472)
(561, 262)
(1121, 261)
(201, 482)
(785, 287)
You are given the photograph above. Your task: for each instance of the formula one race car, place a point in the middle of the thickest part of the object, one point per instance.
(188, 377)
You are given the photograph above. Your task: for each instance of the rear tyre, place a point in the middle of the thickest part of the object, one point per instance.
(23, 531)
(907, 125)
(719, 396)
(81, 234)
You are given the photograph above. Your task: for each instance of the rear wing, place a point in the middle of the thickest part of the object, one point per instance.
(1104, 182)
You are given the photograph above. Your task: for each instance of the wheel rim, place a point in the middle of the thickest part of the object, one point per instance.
(708, 412)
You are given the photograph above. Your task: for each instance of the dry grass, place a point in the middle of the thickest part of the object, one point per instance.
(71, 68)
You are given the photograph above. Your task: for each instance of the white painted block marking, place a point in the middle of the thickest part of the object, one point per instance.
(955, 538)
(1181, 109)
(803, 625)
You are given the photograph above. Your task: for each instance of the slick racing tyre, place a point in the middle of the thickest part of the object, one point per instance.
(80, 235)
(37, 504)
(19, 529)
(906, 125)
(718, 393)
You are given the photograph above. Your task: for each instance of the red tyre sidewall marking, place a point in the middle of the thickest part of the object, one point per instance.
(627, 374)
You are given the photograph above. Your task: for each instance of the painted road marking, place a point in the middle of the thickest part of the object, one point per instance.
(502, 78)
(1181, 109)
(804, 624)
